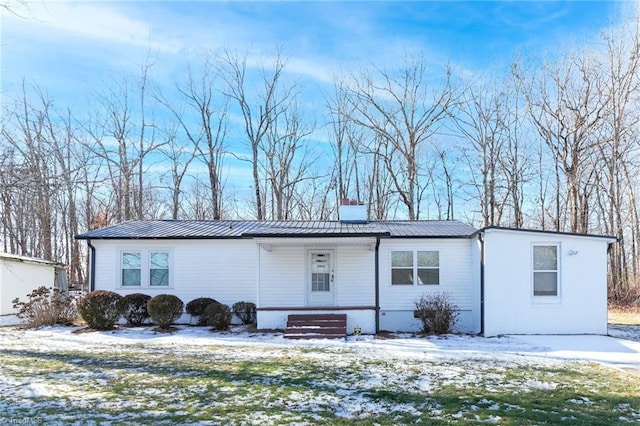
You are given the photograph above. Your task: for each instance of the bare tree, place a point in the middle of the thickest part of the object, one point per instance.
(480, 118)
(287, 160)
(403, 112)
(259, 113)
(619, 150)
(203, 121)
(124, 138)
(566, 104)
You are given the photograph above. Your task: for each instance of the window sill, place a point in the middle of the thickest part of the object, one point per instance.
(546, 300)
(146, 287)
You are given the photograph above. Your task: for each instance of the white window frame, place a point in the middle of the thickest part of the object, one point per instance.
(168, 268)
(145, 267)
(122, 268)
(414, 268)
(546, 297)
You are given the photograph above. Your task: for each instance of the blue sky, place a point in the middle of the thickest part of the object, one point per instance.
(72, 50)
(69, 48)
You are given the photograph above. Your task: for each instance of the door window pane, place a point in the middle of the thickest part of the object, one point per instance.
(320, 282)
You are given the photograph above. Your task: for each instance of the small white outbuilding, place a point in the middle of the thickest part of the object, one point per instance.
(20, 275)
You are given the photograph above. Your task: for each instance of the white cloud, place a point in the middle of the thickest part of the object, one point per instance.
(101, 22)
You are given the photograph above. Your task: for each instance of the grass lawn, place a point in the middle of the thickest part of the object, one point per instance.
(65, 380)
(624, 315)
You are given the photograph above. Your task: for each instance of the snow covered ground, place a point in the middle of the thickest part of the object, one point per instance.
(620, 349)
(301, 381)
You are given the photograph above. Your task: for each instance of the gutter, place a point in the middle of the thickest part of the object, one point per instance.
(481, 240)
(377, 283)
(92, 265)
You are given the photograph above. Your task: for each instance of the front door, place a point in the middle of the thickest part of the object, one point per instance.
(320, 278)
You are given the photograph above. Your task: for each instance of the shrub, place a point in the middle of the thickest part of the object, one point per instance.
(246, 311)
(437, 313)
(165, 309)
(135, 308)
(101, 309)
(196, 308)
(46, 306)
(217, 315)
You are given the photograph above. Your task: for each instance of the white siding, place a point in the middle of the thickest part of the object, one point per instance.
(283, 276)
(355, 276)
(511, 308)
(456, 278)
(18, 279)
(224, 270)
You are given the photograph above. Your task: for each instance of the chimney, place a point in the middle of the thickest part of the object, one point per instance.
(352, 211)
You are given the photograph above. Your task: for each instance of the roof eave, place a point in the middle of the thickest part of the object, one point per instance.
(611, 238)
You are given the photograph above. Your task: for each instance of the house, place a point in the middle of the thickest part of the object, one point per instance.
(502, 280)
(20, 275)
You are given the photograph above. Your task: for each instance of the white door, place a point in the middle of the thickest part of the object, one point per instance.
(320, 279)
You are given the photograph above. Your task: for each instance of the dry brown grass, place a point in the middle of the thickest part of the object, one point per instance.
(624, 315)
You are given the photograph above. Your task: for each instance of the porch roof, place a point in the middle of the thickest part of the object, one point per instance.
(231, 229)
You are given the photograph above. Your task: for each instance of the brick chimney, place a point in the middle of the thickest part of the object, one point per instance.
(352, 211)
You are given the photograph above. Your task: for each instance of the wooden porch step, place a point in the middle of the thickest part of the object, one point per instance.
(316, 326)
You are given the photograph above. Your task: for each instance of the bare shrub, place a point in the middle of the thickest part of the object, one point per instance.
(218, 316)
(246, 311)
(437, 313)
(101, 309)
(135, 308)
(165, 309)
(46, 306)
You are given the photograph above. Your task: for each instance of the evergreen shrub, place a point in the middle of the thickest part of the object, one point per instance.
(165, 309)
(101, 309)
(135, 308)
(246, 311)
(196, 308)
(217, 315)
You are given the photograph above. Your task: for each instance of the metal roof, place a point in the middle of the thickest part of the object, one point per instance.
(220, 229)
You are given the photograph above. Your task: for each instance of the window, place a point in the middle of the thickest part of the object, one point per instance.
(545, 270)
(142, 268)
(420, 267)
(131, 268)
(159, 268)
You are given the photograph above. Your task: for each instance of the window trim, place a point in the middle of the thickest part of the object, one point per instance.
(414, 268)
(145, 267)
(546, 297)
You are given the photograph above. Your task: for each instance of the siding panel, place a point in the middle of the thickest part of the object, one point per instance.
(223, 270)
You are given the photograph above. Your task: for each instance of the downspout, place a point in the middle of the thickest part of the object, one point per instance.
(92, 265)
(377, 284)
(481, 240)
